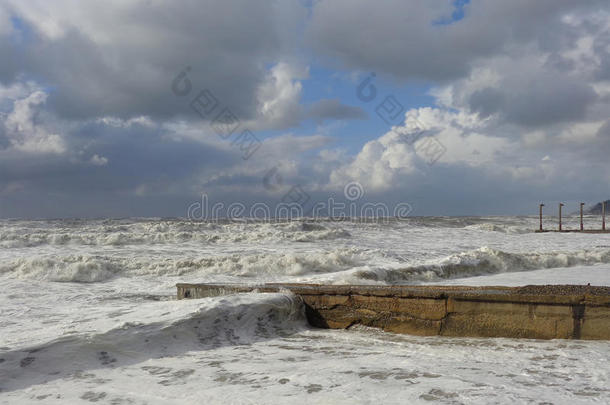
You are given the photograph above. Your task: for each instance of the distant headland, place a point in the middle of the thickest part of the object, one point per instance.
(597, 208)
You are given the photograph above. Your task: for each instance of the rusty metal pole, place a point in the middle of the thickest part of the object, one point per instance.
(604, 216)
(560, 205)
(582, 226)
(541, 205)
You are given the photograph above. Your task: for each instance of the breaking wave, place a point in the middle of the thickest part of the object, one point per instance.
(491, 227)
(348, 265)
(96, 268)
(483, 261)
(171, 232)
(157, 330)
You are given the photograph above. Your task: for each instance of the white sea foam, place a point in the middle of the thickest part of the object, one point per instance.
(89, 315)
(156, 330)
(174, 232)
(491, 227)
(88, 268)
(485, 261)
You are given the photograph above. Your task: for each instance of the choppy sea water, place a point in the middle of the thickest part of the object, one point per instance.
(88, 314)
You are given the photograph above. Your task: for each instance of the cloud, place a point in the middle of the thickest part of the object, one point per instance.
(279, 96)
(126, 70)
(519, 98)
(532, 113)
(22, 131)
(280, 104)
(281, 154)
(5, 23)
(393, 160)
(333, 109)
(235, 49)
(401, 38)
(98, 160)
(537, 98)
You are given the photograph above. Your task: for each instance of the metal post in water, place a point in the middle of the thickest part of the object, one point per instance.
(560, 205)
(604, 216)
(541, 205)
(582, 226)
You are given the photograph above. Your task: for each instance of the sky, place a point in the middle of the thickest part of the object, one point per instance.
(144, 108)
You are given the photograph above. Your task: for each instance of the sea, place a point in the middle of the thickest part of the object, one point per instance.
(88, 312)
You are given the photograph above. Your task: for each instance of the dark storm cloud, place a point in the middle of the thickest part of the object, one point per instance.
(486, 101)
(8, 67)
(601, 48)
(401, 38)
(395, 37)
(4, 141)
(528, 64)
(549, 99)
(542, 99)
(331, 109)
(536, 49)
(120, 61)
(136, 156)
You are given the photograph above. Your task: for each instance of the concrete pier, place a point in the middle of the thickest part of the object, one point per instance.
(537, 312)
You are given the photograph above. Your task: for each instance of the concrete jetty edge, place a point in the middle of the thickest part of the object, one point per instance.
(536, 312)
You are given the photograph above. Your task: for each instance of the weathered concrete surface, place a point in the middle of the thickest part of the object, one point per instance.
(537, 312)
